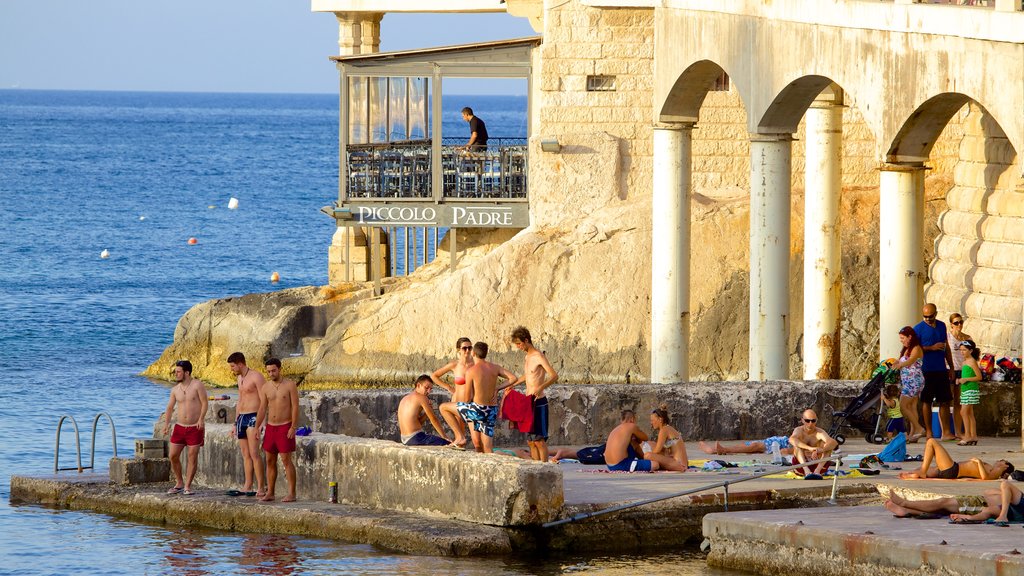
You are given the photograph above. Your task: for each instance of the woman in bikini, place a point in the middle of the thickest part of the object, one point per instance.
(460, 392)
(669, 451)
(909, 365)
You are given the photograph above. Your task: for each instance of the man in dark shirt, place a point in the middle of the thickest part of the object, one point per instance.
(932, 333)
(477, 131)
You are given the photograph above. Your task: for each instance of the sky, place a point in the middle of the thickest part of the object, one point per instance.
(212, 45)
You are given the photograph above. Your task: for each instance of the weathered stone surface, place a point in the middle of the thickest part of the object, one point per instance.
(402, 532)
(582, 415)
(139, 470)
(150, 448)
(441, 482)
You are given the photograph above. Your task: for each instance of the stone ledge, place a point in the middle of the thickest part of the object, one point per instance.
(439, 482)
(857, 541)
(397, 531)
(139, 470)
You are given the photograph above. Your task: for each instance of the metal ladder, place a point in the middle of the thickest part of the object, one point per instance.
(78, 444)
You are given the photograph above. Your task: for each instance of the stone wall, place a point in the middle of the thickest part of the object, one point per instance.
(583, 415)
(483, 488)
(978, 268)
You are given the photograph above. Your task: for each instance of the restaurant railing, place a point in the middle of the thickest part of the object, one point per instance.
(404, 170)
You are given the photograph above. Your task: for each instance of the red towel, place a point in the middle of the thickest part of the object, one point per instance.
(518, 408)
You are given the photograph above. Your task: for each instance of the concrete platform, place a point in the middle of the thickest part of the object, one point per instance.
(671, 523)
(857, 541)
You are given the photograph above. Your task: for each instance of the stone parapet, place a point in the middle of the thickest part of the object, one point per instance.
(582, 415)
(139, 470)
(439, 482)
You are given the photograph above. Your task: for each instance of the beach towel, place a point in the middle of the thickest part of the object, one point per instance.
(518, 409)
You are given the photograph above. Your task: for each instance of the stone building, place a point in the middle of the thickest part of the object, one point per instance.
(885, 174)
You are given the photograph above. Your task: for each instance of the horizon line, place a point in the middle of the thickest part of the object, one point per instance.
(255, 93)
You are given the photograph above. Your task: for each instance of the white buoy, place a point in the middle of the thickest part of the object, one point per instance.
(211, 206)
(141, 218)
(275, 277)
(233, 203)
(105, 254)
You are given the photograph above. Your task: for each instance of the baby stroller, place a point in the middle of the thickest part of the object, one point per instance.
(864, 413)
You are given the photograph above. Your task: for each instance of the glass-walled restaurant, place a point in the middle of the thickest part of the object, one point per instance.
(392, 110)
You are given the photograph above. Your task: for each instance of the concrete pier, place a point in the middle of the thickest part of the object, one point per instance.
(857, 541)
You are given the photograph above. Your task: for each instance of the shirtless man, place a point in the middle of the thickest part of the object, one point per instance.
(281, 405)
(811, 443)
(752, 447)
(622, 451)
(414, 409)
(947, 469)
(538, 375)
(482, 412)
(190, 396)
(249, 420)
(1003, 503)
(460, 392)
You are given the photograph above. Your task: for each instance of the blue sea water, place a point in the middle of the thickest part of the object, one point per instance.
(138, 174)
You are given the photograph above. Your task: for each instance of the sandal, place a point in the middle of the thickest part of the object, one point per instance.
(963, 443)
(175, 490)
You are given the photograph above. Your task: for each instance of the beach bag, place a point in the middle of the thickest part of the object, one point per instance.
(896, 450)
(591, 455)
(987, 363)
(893, 377)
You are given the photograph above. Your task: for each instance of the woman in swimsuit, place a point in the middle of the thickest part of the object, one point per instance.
(909, 365)
(670, 450)
(458, 388)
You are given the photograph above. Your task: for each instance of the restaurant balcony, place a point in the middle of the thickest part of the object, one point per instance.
(400, 177)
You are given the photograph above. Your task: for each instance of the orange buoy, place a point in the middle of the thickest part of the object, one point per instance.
(275, 277)
(193, 241)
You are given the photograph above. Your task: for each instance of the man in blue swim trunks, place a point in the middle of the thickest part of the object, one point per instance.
(623, 448)
(250, 408)
(538, 374)
(482, 412)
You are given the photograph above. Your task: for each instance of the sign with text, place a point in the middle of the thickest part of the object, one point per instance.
(511, 215)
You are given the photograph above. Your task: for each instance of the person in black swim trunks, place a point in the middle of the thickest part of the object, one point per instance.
(947, 469)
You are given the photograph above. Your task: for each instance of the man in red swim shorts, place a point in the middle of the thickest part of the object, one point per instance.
(281, 405)
(189, 395)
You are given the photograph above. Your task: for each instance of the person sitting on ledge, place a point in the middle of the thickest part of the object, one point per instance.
(414, 409)
(947, 469)
(811, 443)
(752, 447)
(622, 451)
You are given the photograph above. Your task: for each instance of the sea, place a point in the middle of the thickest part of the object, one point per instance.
(135, 176)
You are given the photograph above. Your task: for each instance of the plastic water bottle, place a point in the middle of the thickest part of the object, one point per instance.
(776, 453)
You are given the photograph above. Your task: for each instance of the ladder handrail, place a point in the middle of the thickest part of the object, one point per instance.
(113, 436)
(724, 484)
(78, 444)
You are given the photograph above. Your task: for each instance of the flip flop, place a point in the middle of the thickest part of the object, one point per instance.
(175, 490)
(234, 492)
(1000, 523)
(927, 516)
(455, 446)
(187, 493)
(965, 521)
(249, 493)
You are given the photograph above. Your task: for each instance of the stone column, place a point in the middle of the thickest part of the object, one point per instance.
(670, 254)
(822, 248)
(770, 172)
(901, 235)
(358, 32)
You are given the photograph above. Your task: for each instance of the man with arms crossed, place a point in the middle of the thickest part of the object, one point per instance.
(190, 396)
(482, 412)
(811, 443)
(937, 357)
(249, 420)
(281, 405)
(538, 375)
(414, 409)
(622, 452)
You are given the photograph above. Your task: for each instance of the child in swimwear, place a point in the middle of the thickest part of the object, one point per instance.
(970, 391)
(891, 402)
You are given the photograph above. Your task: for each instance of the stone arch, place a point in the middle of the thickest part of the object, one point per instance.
(684, 100)
(784, 113)
(915, 138)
